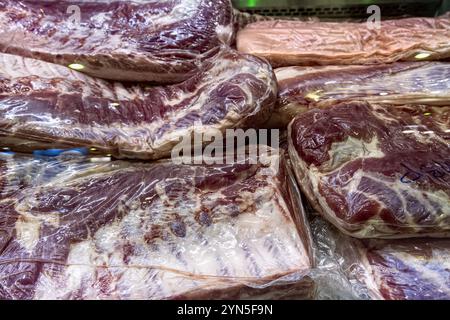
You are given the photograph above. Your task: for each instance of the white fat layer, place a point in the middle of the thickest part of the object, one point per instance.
(342, 152)
(44, 76)
(184, 10)
(225, 33)
(369, 276)
(28, 232)
(286, 73)
(427, 137)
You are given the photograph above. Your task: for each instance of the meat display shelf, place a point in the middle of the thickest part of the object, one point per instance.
(337, 9)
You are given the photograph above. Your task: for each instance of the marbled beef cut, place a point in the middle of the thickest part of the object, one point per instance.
(118, 230)
(43, 105)
(304, 88)
(374, 170)
(158, 41)
(291, 43)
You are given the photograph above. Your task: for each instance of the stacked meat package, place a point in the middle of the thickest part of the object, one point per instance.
(76, 225)
(96, 201)
(368, 116)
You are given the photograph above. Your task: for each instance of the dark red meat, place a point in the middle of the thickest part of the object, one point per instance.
(376, 171)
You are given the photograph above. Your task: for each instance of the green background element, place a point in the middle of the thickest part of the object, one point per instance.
(445, 6)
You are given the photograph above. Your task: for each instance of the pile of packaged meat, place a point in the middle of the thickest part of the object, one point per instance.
(95, 96)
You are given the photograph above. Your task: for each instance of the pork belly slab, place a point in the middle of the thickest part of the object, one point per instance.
(119, 230)
(291, 43)
(374, 170)
(304, 88)
(152, 41)
(44, 105)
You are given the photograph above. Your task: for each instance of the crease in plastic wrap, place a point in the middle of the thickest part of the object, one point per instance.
(45, 106)
(405, 269)
(78, 229)
(304, 88)
(150, 41)
(376, 171)
(291, 43)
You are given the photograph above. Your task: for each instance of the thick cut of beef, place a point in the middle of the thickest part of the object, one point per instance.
(44, 105)
(374, 170)
(291, 43)
(157, 230)
(159, 41)
(407, 269)
(304, 88)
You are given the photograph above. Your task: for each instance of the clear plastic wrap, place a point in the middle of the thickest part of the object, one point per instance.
(376, 171)
(336, 257)
(291, 43)
(305, 88)
(44, 105)
(120, 230)
(151, 41)
(407, 269)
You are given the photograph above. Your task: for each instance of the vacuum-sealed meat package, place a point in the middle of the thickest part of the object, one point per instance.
(415, 269)
(304, 88)
(406, 269)
(43, 105)
(376, 170)
(291, 43)
(158, 230)
(152, 41)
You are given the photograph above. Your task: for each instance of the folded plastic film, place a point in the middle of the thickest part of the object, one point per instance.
(119, 230)
(338, 273)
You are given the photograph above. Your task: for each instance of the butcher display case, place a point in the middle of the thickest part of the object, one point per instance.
(118, 179)
(338, 8)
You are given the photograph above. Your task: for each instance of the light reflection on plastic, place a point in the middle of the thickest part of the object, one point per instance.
(422, 55)
(100, 159)
(313, 96)
(93, 149)
(421, 132)
(114, 104)
(427, 114)
(76, 66)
